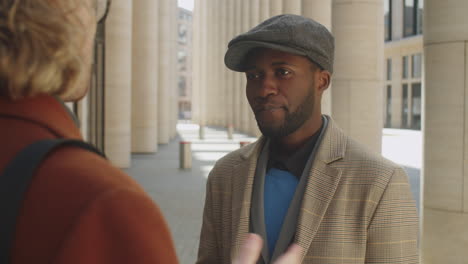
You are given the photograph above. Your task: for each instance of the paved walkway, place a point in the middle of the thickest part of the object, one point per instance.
(180, 193)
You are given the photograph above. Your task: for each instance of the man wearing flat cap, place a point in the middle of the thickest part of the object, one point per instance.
(304, 181)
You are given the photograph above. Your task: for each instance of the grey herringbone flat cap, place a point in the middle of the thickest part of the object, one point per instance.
(289, 33)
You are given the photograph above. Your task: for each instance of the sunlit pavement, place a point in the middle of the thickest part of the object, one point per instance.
(180, 193)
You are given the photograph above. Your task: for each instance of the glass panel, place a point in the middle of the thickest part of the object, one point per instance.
(404, 112)
(405, 67)
(182, 86)
(416, 65)
(408, 19)
(388, 120)
(388, 19)
(419, 15)
(389, 69)
(416, 106)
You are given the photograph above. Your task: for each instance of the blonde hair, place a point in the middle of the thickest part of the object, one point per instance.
(39, 48)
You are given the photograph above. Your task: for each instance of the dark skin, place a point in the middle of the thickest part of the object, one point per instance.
(281, 86)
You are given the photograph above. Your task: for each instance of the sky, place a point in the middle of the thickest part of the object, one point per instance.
(187, 4)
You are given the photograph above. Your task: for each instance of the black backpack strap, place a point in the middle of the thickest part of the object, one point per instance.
(14, 182)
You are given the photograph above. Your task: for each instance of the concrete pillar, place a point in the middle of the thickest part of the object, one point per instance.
(204, 62)
(220, 85)
(174, 69)
(246, 25)
(254, 21)
(358, 76)
(292, 7)
(320, 11)
(230, 86)
(264, 10)
(445, 126)
(237, 76)
(276, 7)
(118, 61)
(144, 76)
(164, 93)
(196, 62)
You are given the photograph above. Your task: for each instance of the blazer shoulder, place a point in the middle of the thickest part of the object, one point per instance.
(359, 153)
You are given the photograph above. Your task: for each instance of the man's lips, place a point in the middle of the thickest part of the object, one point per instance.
(268, 107)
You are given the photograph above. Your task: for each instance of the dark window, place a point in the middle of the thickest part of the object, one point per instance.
(404, 112)
(388, 20)
(389, 69)
(413, 17)
(419, 17)
(416, 65)
(182, 86)
(416, 106)
(405, 67)
(388, 118)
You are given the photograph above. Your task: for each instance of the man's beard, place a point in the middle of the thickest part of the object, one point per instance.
(292, 120)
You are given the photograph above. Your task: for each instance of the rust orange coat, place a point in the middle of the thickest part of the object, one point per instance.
(79, 208)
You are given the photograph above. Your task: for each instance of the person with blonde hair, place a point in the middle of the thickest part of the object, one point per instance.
(76, 207)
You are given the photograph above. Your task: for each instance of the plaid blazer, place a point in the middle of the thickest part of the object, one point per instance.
(357, 206)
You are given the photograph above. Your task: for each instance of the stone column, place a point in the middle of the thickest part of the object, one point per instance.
(117, 138)
(204, 62)
(445, 126)
(144, 76)
(245, 121)
(220, 83)
(196, 62)
(292, 7)
(174, 88)
(230, 27)
(320, 11)
(164, 93)
(209, 57)
(236, 76)
(254, 21)
(264, 10)
(358, 76)
(276, 7)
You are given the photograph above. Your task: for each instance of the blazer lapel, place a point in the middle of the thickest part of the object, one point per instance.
(321, 186)
(242, 185)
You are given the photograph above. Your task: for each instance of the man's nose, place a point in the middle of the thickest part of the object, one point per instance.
(268, 86)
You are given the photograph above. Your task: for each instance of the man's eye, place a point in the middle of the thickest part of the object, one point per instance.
(283, 72)
(253, 76)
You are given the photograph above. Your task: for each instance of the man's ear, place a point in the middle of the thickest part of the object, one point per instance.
(324, 79)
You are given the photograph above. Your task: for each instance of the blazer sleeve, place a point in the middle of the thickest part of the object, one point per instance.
(119, 226)
(393, 229)
(209, 249)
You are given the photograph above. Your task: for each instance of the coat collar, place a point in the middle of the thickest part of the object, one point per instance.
(321, 186)
(45, 111)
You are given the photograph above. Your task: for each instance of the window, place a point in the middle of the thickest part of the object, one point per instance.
(416, 65)
(182, 86)
(183, 34)
(388, 19)
(405, 67)
(416, 106)
(389, 69)
(388, 118)
(419, 17)
(405, 110)
(412, 17)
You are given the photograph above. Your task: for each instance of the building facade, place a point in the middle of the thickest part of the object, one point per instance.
(403, 85)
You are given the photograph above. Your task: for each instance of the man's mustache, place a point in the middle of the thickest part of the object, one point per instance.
(267, 104)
